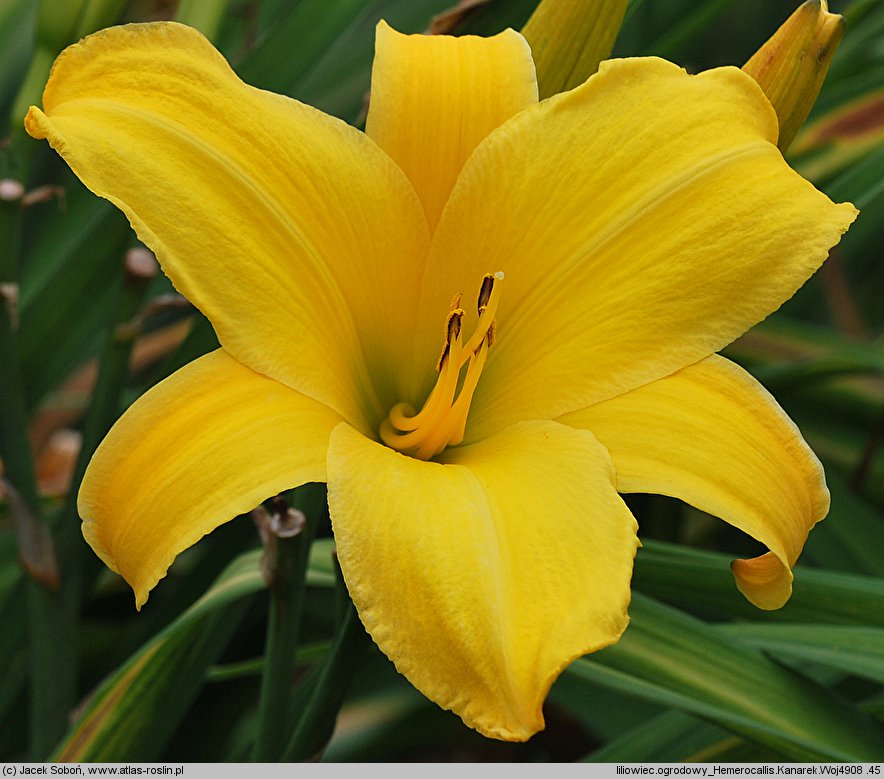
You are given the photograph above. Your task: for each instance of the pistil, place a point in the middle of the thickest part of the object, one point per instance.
(441, 422)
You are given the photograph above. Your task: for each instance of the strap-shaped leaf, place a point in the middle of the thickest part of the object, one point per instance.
(674, 737)
(852, 537)
(673, 659)
(138, 707)
(71, 260)
(854, 650)
(330, 67)
(671, 572)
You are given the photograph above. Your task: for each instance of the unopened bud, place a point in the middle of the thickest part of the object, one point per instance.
(792, 65)
(569, 38)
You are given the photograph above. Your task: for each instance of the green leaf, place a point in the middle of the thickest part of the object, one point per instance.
(495, 16)
(320, 711)
(787, 354)
(688, 27)
(862, 183)
(854, 650)
(678, 661)
(337, 82)
(278, 65)
(73, 256)
(17, 19)
(321, 571)
(321, 52)
(136, 710)
(672, 573)
(668, 738)
(852, 536)
(604, 713)
(389, 723)
(13, 656)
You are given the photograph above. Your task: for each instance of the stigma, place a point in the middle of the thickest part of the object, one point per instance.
(442, 420)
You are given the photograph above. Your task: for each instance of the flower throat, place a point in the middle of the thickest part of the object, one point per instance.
(443, 418)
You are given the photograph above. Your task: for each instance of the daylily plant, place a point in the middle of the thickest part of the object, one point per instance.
(478, 322)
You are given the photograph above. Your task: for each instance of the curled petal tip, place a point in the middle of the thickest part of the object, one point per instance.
(765, 581)
(34, 123)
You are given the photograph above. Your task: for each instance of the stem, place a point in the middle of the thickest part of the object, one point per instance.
(288, 568)
(317, 721)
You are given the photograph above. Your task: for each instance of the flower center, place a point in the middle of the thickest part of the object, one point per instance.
(443, 418)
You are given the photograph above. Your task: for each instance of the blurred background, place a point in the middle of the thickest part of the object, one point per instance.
(91, 325)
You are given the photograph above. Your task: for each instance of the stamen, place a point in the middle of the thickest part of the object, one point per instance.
(437, 403)
(442, 419)
(461, 408)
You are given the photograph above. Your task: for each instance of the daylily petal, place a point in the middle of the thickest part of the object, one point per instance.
(483, 577)
(210, 442)
(643, 221)
(434, 98)
(714, 437)
(298, 238)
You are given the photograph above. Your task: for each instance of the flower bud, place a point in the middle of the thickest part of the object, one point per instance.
(569, 38)
(792, 65)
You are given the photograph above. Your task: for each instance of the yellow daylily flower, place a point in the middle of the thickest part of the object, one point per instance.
(576, 262)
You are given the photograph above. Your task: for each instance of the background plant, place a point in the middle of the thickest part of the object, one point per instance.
(87, 325)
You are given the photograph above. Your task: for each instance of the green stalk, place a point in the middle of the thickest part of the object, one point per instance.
(317, 721)
(287, 559)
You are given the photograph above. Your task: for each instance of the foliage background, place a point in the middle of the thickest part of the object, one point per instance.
(700, 673)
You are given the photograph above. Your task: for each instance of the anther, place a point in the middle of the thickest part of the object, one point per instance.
(487, 308)
(452, 332)
(485, 292)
